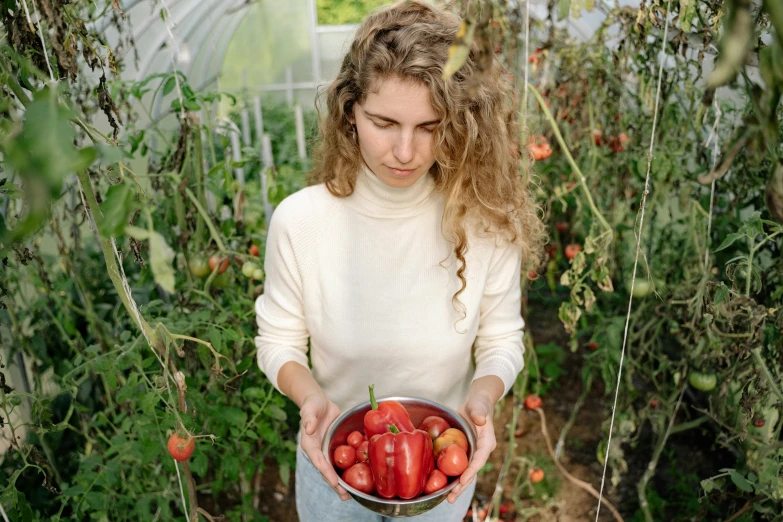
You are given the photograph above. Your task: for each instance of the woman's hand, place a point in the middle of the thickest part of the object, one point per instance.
(317, 413)
(477, 409)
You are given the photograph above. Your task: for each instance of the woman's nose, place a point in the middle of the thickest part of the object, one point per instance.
(403, 148)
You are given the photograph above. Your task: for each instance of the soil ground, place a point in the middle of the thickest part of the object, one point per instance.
(556, 499)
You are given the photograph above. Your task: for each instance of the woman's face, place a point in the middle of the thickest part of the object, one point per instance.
(395, 125)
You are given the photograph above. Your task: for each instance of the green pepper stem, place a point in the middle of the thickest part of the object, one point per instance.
(392, 428)
(373, 402)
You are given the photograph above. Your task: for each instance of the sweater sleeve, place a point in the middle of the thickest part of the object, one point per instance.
(282, 331)
(498, 348)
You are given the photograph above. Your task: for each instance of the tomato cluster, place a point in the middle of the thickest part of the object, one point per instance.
(439, 452)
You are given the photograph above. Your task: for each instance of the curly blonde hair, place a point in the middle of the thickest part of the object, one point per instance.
(475, 142)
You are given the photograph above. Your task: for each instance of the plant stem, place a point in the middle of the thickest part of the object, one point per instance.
(571, 161)
(767, 375)
(212, 230)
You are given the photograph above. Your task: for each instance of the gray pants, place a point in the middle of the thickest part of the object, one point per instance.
(317, 502)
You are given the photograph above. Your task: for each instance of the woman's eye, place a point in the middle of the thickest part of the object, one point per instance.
(382, 126)
(428, 130)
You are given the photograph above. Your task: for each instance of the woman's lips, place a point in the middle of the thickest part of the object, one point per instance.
(401, 173)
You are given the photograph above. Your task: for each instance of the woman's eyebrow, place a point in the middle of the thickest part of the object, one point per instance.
(390, 120)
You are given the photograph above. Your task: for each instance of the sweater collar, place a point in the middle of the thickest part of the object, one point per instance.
(378, 198)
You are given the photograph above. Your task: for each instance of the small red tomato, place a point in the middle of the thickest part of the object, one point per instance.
(593, 345)
(451, 436)
(536, 475)
(362, 452)
(436, 481)
(254, 250)
(759, 422)
(533, 401)
(181, 448)
(355, 439)
(344, 456)
(653, 403)
(453, 460)
(532, 275)
(359, 477)
(215, 260)
(434, 425)
(552, 250)
(561, 226)
(504, 508)
(571, 250)
(598, 137)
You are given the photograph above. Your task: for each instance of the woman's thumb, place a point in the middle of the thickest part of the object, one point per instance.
(478, 413)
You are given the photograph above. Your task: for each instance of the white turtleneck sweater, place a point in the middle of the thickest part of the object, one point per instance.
(361, 278)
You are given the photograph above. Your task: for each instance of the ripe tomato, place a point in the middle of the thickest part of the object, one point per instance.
(540, 148)
(215, 260)
(552, 250)
(181, 448)
(355, 439)
(254, 250)
(702, 381)
(359, 477)
(199, 266)
(532, 275)
(453, 460)
(593, 345)
(434, 425)
(451, 436)
(561, 226)
(436, 481)
(536, 475)
(533, 401)
(362, 452)
(598, 137)
(571, 250)
(344, 456)
(759, 422)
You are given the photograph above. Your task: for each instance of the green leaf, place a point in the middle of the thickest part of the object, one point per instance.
(148, 402)
(214, 336)
(731, 238)
(233, 415)
(564, 6)
(161, 256)
(708, 485)
(231, 467)
(740, 481)
(275, 412)
(285, 473)
(254, 393)
(116, 207)
(137, 233)
(78, 489)
(169, 85)
(198, 464)
(721, 294)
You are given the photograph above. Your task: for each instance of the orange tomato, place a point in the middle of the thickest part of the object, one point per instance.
(181, 448)
(540, 148)
(571, 250)
(536, 475)
(533, 401)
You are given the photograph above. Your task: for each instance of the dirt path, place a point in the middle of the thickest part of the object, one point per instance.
(556, 499)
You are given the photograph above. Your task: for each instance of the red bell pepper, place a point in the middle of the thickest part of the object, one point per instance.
(387, 413)
(401, 462)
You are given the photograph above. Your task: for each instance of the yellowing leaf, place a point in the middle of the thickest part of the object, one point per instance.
(459, 49)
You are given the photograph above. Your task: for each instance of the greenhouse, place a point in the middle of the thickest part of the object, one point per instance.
(464, 260)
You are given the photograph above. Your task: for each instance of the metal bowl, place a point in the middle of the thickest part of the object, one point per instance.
(418, 409)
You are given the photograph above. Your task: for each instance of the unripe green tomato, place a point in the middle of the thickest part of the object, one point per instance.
(221, 280)
(258, 275)
(702, 381)
(199, 266)
(248, 269)
(641, 288)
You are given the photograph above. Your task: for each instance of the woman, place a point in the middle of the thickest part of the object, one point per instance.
(401, 263)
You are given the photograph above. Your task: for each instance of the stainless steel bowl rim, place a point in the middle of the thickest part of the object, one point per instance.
(466, 427)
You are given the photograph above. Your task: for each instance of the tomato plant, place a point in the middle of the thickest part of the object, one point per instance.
(215, 260)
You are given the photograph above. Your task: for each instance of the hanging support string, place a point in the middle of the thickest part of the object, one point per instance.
(636, 257)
